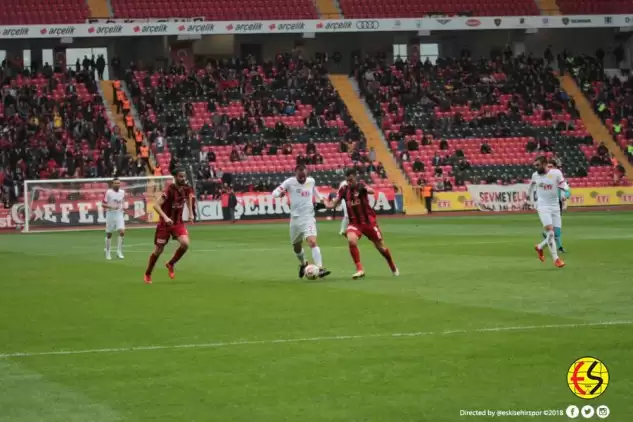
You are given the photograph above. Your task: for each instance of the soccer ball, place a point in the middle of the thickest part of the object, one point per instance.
(312, 272)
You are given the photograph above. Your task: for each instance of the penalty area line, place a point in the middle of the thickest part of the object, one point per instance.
(311, 339)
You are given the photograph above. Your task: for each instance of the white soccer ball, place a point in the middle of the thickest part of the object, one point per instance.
(312, 272)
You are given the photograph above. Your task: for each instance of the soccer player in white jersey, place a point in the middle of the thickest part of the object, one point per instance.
(345, 220)
(303, 194)
(547, 182)
(113, 204)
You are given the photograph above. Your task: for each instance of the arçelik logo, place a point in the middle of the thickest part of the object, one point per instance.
(588, 378)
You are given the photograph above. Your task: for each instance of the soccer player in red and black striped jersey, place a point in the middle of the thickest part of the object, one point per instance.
(170, 207)
(362, 221)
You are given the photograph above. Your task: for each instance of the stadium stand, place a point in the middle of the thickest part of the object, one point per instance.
(33, 12)
(611, 97)
(595, 7)
(54, 125)
(462, 121)
(413, 9)
(216, 9)
(251, 124)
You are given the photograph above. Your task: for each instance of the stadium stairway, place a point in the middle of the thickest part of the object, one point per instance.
(99, 8)
(548, 7)
(328, 9)
(594, 125)
(343, 85)
(106, 87)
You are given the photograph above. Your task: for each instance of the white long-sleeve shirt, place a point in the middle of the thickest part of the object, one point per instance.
(302, 196)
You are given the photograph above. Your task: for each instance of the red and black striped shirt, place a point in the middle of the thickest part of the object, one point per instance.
(175, 202)
(359, 209)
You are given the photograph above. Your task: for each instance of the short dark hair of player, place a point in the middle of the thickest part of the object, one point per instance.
(300, 167)
(541, 160)
(351, 172)
(178, 170)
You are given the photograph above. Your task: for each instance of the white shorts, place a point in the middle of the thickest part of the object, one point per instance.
(550, 216)
(302, 229)
(115, 224)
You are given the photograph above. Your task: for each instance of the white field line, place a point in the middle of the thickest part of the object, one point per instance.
(310, 339)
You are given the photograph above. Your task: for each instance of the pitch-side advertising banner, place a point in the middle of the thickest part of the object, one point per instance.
(250, 206)
(512, 198)
(175, 26)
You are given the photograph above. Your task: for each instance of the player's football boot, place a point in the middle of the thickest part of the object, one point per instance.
(539, 252)
(120, 255)
(147, 279)
(170, 270)
(562, 250)
(324, 272)
(396, 273)
(358, 274)
(559, 263)
(302, 269)
(108, 257)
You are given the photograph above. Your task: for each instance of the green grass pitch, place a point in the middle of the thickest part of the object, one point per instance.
(474, 322)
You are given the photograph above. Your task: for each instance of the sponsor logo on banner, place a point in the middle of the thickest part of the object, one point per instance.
(578, 21)
(105, 29)
(363, 25)
(628, 19)
(545, 21)
(521, 21)
(16, 32)
(608, 20)
(245, 27)
(287, 26)
(144, 20)
(498, 22)
(565, 21)
(473, 22)
(253, 206)
(151, 29)
(443, 21)
(200, 28)
(60, 31)
(500, 197)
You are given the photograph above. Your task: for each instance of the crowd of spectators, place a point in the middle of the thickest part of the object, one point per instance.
(611, 95)
(53, 125)
(167, 100)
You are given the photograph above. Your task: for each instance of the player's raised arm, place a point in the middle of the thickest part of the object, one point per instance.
(190, 200)
(158, 208)
(106, 201)
(531, 189)
(561, 182)
(281, 190)
(339, 197)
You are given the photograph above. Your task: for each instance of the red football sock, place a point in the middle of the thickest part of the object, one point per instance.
(177, 255)
(353, 250)
(387, 254)
(150, 265)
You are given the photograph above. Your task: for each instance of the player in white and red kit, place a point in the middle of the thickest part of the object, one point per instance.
(113, 205)
(303, 196)
(362, 221)
(548, 182)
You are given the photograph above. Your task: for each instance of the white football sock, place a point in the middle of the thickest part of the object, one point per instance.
(119, 247)
(551, 244)
(316, 257)
(107, 248)
(301, 256)
(543, 243)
